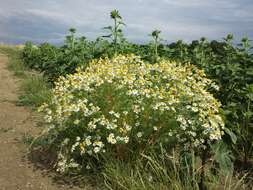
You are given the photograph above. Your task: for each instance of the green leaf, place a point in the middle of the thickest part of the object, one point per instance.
(231, 134)
(223, 156)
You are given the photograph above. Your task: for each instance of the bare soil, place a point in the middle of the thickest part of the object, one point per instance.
(16, 122)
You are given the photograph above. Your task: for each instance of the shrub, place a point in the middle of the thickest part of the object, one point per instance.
(121, 107)
(230, 66)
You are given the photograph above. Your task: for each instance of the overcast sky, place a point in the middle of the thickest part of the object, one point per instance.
(49, 20)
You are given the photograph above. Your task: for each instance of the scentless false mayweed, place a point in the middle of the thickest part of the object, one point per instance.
(123, 101)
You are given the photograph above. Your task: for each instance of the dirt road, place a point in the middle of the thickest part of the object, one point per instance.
(16, 172)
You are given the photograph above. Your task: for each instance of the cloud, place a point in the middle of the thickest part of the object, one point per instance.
(49, 20)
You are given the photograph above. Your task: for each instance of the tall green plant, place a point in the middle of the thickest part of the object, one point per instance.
(155, 43)
(115, 31)
(70, 39)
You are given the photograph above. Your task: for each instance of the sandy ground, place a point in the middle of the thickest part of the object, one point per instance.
(16, 171)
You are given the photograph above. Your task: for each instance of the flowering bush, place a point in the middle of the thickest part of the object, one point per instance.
(123, 105)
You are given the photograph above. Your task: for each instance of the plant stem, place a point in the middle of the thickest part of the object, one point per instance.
(115, 35)
(202, 175)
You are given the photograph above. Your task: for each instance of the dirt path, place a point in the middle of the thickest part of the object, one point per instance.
(16, 172)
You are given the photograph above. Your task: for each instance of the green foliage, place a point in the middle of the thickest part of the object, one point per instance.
(224, 157)
(53, 61)
(115, 31)
(165, 171)
(121, 108)
(34, 91)
(229, 65)
(155, 43)
(157, 170)
(15, 62)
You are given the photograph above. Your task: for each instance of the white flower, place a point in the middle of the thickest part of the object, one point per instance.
(150, 178)
(88, 142)
(96, 149)
(91, 125)
(117, 115)
(137, 124)
(111, 139)
(125, 112)
(139, 134)
(73, 164)
(128, 127)
(49, 111)
(98, 143)
(195, 109)
(65, 142)
(73, 148)
(77, 121)
(111, 112)
(188, 107)
(136, 109)
(183, 127)
(126, 139)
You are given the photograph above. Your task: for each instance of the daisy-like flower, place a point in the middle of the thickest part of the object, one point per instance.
(139, 134)
(77, 121)
(111, 139)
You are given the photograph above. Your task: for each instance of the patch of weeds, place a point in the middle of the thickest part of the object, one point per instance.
(27, 139)
(34, 88)
(15, 64)
(17, 67)
(34, 91)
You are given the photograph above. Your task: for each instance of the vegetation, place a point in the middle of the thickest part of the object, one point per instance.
(34, 88)
(100, 90)
(34, 91)
(143, 106)
(15, 62)
(115, 31)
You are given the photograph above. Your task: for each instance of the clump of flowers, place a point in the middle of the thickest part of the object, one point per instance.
(123, 104)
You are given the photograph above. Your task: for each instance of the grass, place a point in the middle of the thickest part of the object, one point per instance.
(15, 63)
(164, 172)
(151, 172)
(34, 89)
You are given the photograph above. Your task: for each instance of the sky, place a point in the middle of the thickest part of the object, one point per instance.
(49, 20)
